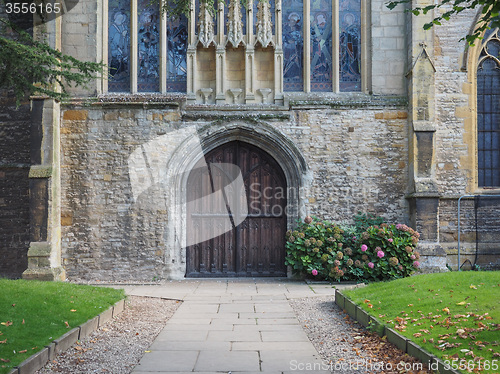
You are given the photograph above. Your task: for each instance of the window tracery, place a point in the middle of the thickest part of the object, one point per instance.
(302, 46)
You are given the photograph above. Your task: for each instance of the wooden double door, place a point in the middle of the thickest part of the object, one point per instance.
(256, 246)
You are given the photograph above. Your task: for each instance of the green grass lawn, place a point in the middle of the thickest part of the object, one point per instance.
(32, 314)
(455, 315)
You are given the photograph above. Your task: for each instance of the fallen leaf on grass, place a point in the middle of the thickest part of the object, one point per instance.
(3, 341)
(23, 351)
(67, 324)
(73, 310)
(8, 323)
(4, 360)
(473, 287)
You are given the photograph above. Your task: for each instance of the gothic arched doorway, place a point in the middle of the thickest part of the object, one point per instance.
(256, 247)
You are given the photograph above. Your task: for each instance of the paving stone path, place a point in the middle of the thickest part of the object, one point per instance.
(237, 326)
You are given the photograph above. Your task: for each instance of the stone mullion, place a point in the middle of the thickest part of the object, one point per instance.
(220, 57)
(191, 55)
(307, 46)
(163, 50)
(335, 46)
(249, 56)
(133, 46)
(365, 54)
(278, 55)
(105, 26)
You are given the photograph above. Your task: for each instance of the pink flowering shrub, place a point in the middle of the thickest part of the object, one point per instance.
(391, 251)
(323, 250)
(316, 249)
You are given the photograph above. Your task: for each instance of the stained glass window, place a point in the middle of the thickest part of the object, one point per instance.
(177, 37)
(148, 67)
(293, 45)
(321, 45)
(488, 112)
(119, 46)
(350, 45)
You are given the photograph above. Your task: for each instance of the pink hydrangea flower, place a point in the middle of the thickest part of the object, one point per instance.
(390, 240)
(399, 226)
(413, 257)
(380, 254)
(364, 247)
(314, 272)
(371, 265)
(416, 264)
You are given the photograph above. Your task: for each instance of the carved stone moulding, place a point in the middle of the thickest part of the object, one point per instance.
(206, 35)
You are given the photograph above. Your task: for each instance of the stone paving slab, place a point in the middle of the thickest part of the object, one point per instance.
(276, 328)
(187, 346)
(287, 360)
(167, 361)
(228, 361)
(304, 347)
(183, 336)
(234, 336)
(238, 325)
(284, 336)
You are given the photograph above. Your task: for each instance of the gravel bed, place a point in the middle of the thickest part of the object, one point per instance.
(344, 345)
(118, 346)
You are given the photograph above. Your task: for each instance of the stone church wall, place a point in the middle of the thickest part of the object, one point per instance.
(355, 156)
(14, 187)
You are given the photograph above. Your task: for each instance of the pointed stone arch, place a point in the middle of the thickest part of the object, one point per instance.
(210, 136)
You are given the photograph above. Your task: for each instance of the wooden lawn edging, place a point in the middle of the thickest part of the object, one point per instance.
(406, 345)
(39, 359)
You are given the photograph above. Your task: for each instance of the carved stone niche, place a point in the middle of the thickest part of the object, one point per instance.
(264, 24)
(234, 24)
(206, 35)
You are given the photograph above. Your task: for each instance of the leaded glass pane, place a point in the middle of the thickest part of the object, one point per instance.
(293, 45)
(321, 45)
(350, 45)
(177, 37)
(119, 45)
(148, 67)
(488, 118)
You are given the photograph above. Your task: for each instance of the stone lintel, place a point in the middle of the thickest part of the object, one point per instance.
(40, 171)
